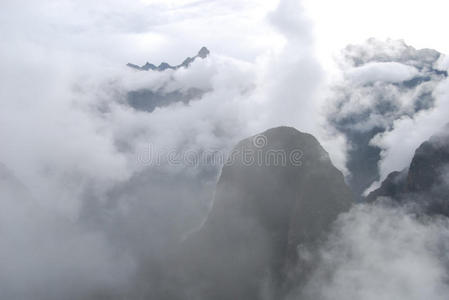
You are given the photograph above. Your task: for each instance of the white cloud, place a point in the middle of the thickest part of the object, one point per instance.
(407, 134)
(70, 138)
(381, 252)
(381, 71)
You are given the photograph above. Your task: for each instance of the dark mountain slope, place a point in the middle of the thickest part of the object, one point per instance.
(279, 190)
(425, 183)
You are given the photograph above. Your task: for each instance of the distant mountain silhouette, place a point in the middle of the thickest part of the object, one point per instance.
(203, 53)
(148, 100)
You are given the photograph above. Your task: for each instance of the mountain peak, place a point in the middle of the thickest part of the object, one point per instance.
(263, 209)
(203, 53)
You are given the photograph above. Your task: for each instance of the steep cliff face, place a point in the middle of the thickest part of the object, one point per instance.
(425, 182)
(278, 191)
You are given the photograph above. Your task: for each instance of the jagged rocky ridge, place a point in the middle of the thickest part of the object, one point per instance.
(203, 53)
(426, 182)
(149, 99)
(262, 213)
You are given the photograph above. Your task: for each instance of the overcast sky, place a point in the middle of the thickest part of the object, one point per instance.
(419, 23)
(158, 30)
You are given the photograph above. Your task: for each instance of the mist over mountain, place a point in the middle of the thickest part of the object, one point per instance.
(424, 183)
(384, 81)
(257, 170)
(147, 99)
(278, 192)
